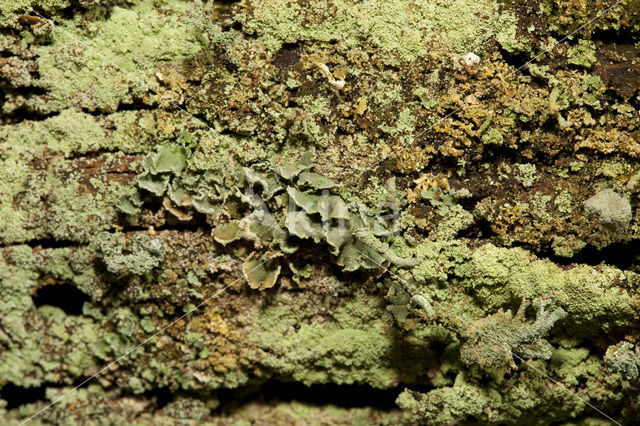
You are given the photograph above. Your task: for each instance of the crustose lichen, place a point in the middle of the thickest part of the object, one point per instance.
(141, 257)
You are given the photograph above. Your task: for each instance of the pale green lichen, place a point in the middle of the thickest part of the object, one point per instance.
(609, 208)
(493, 342)
(399, 28)
(419, 301)
(261, 273)
(25, 361)
(55, 197)
(9, 9)
(564, 202)
(583, 54)
(351, 348)
(447, 405)
(117, 63)
(144, 254)
(527, 174)
(257, 83)
(587, 294)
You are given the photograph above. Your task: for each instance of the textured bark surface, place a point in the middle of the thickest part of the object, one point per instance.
(465, 184)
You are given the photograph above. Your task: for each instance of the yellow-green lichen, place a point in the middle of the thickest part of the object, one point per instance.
(116, 62)
(399, 28)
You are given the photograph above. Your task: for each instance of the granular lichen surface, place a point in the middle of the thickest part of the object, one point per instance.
(371, 212)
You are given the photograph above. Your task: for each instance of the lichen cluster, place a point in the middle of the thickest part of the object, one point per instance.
(333, 195)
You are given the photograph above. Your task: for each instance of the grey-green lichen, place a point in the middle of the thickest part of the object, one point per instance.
(609, 208)
(493, 342)
(279, 206)
(623, 358)
(144, 254)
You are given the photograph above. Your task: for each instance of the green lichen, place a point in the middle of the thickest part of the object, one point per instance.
(492, 342)
(587, 294)
(447, 405)
(261, 273)
(144, 254)
(312, 213)
(378, 217)
(351, 348)
(10, 8)
(26, 361)
(527, 174)
(117, 63)
(398, 28)
(623, 358)
(583, 54)
(609, 208)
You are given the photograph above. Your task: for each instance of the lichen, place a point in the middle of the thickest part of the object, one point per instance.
(446, 405)
(117, 62)
(609, 208)
(456, 27)
(144, 254)
(341, 195)
(492, 342)
(623, 358)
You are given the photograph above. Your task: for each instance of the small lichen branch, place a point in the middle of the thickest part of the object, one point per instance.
(338, 84)
(420, 301)
(491, 342)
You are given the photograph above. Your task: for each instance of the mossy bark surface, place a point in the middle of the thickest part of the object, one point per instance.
(320, 212)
